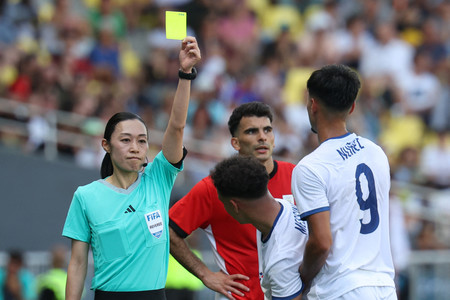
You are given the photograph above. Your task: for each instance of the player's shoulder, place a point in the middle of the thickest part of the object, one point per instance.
(284, 165)
(287, 205)
(202, 188)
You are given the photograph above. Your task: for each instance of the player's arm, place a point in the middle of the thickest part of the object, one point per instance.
(76, 272)
(216, 281)
(299, 297)
(317, 247)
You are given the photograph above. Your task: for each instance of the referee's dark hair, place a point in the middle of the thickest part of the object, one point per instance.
(251, 109)
(107, 167)
(240, 176)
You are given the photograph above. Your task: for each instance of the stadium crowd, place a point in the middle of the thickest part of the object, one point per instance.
(97, 57)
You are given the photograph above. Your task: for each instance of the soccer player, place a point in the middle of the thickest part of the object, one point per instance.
(241, 183)
(233, 244)
(342, 191)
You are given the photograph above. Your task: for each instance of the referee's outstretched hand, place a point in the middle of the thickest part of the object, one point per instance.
(189, 54)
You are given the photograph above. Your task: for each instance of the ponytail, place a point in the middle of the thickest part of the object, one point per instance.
(107, 167)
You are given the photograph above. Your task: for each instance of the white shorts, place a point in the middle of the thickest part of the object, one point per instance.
(371, 293)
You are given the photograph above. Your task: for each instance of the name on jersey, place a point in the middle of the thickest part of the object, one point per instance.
(299, 224)
(350, 149)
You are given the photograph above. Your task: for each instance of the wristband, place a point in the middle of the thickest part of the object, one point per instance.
(188, 76)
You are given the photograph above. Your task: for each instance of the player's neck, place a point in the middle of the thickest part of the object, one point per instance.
(265, 216)
(269, 164)
(331, 130)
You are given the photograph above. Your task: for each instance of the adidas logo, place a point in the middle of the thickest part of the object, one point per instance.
(130, 209)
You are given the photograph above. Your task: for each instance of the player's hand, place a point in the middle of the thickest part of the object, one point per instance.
(226, 284)
(189, 54)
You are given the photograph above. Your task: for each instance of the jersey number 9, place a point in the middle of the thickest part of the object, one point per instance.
(371, 202)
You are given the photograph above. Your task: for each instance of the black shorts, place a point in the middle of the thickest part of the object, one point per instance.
(141, 295)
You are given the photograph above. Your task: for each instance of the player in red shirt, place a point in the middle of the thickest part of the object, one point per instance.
(233, 244)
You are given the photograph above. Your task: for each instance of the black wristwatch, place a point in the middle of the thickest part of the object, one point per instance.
(188, 76)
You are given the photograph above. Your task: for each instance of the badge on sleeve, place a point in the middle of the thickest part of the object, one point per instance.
(154, 223)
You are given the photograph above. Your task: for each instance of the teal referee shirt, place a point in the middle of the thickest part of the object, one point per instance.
(127, 229)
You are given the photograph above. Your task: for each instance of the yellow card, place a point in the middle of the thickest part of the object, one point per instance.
(175, 25)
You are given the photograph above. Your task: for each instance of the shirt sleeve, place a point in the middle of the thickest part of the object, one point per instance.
(309, 191)
(77, 226)
(193, 210)
(285, 284)
(165, 173)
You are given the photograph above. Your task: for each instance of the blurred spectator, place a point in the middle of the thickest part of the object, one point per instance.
(440, 120)
(237, 31)
(16, 282)
(427, 238)
(317, 45)
(420, 89)
(406, 169)
(283, 49)
(288, 144)
(77, 40)
(269, 82)
(51, 285)
(105, 55)
(353, 40)
(89, 153)
(435, 161)
(373, 11)
(17, 20)
(21, 88)
(383, 64)
(108, 15)
(433, 44)
(38, 130)
(275, 17)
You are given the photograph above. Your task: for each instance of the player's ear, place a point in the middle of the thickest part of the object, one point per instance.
(352, 108)
(314, 105)
(235, 143)
(235, 205)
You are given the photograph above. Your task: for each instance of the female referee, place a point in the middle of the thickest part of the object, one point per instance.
(124, 215)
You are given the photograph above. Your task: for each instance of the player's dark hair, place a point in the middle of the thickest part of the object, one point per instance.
(240, 176)
(336, 86)
(251, 109)
(107, 166)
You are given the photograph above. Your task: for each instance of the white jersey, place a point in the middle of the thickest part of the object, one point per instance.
(281, 254)
(349, 176)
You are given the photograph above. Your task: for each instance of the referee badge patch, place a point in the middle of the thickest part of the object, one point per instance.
(154, 223)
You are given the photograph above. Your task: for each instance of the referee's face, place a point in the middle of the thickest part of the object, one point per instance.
(128, 146)
(254, 137)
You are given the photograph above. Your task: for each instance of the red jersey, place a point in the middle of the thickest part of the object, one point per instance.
(233, 244)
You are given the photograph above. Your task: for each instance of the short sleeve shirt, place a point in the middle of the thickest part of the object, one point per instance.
(127, 229)
(349, 176)
(281, 254)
